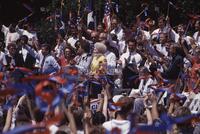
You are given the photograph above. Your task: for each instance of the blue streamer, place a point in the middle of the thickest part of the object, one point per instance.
(67, 88)
(113, 107)
(166, 124)
(24, 129)
(43, 106)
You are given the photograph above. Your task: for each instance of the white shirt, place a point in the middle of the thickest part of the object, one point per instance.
(50, 65)
(9, 37)
(122, 47)
(83, 62)
(24, 53)
(47, 64)
(186, 38)
(112, 42)
(59, 49)
(119, 32)
(196, 38)
(123, 125)
(53, 129)
(134, 57)
(2, 58)
(146, 34)
(30, 35)
(162, 49)
(111, 62)
(144, 86)
(72, 41)
(156, 33)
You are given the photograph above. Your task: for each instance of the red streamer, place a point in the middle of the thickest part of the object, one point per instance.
(46, 96)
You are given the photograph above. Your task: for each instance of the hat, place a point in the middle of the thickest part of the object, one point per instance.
(116, 98)
(100, 47)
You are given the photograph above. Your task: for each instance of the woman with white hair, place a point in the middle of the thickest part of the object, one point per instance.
(98, 64)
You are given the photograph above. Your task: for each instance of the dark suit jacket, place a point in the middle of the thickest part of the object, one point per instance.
(174, 68)
(129, 77)
(19, 61)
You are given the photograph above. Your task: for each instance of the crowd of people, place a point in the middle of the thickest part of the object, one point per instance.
(141, 78)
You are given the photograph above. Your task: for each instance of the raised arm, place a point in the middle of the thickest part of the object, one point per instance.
(154, 109)
(101, 98)
(18, 30)
(4, 29)
(32, 52)
(8, 120)
(171, 108)
(188, 56)
(148, 112)
(55, 64)
(30, 110)
(107, 96)
(71, 119)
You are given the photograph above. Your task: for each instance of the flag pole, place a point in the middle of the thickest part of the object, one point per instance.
(54, 16)
(168, 7)
(95, 13)
(188, 25)
(25, 18)
(79, 9)
(70, 13)
(61, 7)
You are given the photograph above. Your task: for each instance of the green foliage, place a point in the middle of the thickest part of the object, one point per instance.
(45, 28)
(46, 32)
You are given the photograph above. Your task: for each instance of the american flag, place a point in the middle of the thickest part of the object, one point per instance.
(91, 17)
(107, 15)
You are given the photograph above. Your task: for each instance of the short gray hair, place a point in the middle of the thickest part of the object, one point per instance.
(100, 47)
